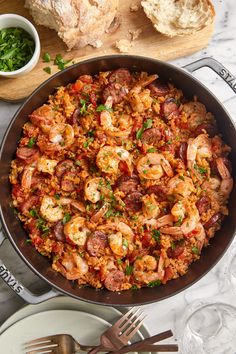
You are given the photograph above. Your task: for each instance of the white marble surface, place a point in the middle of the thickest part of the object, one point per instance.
(215, 285)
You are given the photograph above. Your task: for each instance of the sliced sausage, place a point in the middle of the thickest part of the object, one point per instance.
(28, 204)
(209, 128)
(203, 204)
(160, 191)
(176, 252)
(169, 107)
(67, 181)
(75, 116)
(151, 136)
(158, 88)
(120, 76)
(114, 280)
(215, 218)
(133, 201)
(116, 91)
(27, 154)
(128, 184)
(182, 153)
(58, 231)
(63, 166)
(96, 244)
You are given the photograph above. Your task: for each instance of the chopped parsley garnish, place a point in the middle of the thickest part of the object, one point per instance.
(200, 169)
(77, 163)
(154, 283)
(195, 250)
(125, 243)
(173, 246)
(57, 196)
(16, 48)
(66, 218)
(83, 109)
(151, 150)
(129, 270)
(33, 213)
(60, 62)
(46, 57)
(91, 133)
(31, 142)
(86, 143)
(146, 125)
(156, 235)
(181, 177)
(103, 107)
(134, 287)
(42, 225)
(119, 261)
(179, 222)
(47, 70)
(28, 240)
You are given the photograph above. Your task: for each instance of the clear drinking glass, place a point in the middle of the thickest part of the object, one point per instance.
(209, 328)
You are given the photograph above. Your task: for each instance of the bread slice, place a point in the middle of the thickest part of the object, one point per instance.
(77, 22)
(179, 17)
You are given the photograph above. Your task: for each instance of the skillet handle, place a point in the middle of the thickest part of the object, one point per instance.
(217, 67)
(19, 289)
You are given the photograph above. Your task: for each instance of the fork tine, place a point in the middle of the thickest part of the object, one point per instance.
(40, 351)
(38, 340)
(129, 334)
(124, 317)
(42, 345)
(128, 320)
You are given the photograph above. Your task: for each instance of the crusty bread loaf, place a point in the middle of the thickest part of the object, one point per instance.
(77, 22)
(179, 17)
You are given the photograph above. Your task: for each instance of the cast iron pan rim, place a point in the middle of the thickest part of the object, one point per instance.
(109, 57)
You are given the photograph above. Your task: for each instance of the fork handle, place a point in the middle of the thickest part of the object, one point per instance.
(97, 349)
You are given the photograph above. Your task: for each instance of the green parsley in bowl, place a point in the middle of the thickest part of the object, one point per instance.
(19, 45)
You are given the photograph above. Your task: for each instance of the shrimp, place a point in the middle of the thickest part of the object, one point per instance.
(140, 100)
(62, 134)
(76, 230)
(200, 235)
(194, 107)
(74, 203)
(50, 210)
(109, 157)
(72, 266)
(226, 185)
(191, 219)
(150, 206)
(180, 186)
(198, 148)
(147, 269)
(100, 213)
(107, 118)
(26, 178)
(121, 241)
(153, 166)
(95, 188)
(46, 165)
(43, 117)
(162, 221)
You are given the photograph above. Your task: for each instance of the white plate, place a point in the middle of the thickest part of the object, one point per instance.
(84, 327)
(107, 313)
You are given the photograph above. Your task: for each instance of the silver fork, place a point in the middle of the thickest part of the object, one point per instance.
(114, 338)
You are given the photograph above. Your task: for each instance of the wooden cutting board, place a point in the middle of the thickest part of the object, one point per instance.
(149, 43)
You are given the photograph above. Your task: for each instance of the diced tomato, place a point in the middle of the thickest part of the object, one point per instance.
(57, 248)
(146, 238)
(77, 86)
(37, 240)
(93, 99)
(123, 167)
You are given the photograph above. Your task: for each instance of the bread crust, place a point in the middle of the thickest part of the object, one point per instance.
(179, 17)
(77, 22)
